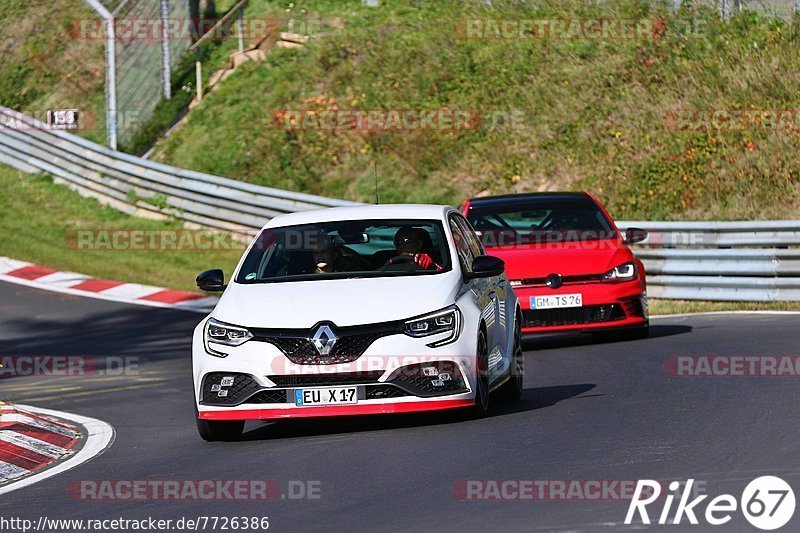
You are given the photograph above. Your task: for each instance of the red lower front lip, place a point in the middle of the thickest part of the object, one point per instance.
(335, 410)
(592, 294)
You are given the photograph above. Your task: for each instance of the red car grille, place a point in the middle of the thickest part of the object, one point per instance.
(572, 316)
(565, 280)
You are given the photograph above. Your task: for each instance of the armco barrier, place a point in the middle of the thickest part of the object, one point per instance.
(735, 261)
(744, 261)
(136, 184)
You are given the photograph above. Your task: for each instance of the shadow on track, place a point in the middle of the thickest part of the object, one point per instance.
(565, 340)
(532, 399)
(147, 332)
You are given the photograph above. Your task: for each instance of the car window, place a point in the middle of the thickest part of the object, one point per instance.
(463, 249)
(469, 233)
(346, 249)
(540, 219)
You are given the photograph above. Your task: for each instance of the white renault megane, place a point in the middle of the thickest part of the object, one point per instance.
(356, 310)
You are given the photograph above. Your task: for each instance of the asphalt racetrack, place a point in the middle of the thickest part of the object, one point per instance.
(590, 411)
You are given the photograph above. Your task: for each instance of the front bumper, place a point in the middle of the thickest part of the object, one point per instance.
(262, 380)
(605, 306)
(337, 410)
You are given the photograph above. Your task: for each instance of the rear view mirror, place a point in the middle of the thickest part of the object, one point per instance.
(486, 266)
(634, 235)
(211, 280)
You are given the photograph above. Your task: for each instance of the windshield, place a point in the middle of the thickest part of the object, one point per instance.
(538, 220)
(346, 249)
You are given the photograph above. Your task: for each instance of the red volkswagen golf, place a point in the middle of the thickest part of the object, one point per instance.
(566, 260)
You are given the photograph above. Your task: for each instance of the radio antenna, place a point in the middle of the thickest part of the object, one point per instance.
(375, 172)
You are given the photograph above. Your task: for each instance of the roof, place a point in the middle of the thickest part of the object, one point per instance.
(362, 212)
(510, 198)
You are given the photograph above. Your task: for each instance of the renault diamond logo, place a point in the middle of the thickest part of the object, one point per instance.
(554, 281)
(324, 339)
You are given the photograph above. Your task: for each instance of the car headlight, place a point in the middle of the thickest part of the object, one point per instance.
(446, 320)
(225, 334)
(624, 272)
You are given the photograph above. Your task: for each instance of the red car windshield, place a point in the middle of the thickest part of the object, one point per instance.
(539, 220)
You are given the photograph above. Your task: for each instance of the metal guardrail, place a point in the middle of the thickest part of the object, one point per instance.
(145, 187)
(728, 261)
(737, 261)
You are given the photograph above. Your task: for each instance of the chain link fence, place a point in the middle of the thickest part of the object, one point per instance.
(145, 42)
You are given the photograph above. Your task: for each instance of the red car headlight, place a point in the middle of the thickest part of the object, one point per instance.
(624, 272)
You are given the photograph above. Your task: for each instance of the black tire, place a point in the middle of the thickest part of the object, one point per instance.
(512, 389)
(481, 407)
(211, 430)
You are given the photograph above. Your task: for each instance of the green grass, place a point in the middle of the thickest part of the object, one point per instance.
(38, 221)
(45, 67)
(671, 307)
(592, 112)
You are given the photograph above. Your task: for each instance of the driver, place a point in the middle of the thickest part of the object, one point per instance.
(326, 254)
(409, 242)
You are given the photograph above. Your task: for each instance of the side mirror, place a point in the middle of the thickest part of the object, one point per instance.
(634, 235)
(211, 280)
(486, 266)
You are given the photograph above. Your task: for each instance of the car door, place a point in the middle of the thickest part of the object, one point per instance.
(500, 293)
(481, 288)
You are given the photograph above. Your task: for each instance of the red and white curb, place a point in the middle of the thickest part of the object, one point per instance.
(36, 444)
(31, 275)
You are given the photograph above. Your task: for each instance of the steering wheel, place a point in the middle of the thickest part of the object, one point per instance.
(405, 262)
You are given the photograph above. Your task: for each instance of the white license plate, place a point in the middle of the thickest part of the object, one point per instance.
(556, 301)
(329, 396)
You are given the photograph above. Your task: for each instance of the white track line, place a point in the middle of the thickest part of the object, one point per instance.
(100, 436)
(34, 445)
(98, 295)
(9, 471)
(37, 423)
(711, 313)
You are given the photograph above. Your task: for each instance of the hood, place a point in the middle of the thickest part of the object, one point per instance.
(567, 259)
(345, 302)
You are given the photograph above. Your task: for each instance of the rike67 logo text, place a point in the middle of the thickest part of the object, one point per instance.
(767, 503)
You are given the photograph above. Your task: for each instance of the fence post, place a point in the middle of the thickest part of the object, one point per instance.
(111, 71)
(240, 30)
(165, 53)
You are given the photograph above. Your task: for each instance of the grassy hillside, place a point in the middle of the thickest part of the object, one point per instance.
(44, 67)
(590, 114)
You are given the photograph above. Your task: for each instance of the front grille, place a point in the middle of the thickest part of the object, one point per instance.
(352, 342)
(413, 380)
(317, 380)
(565, 280)
(380, 392)
(242, 388)
(269, 396)
(572, 316)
